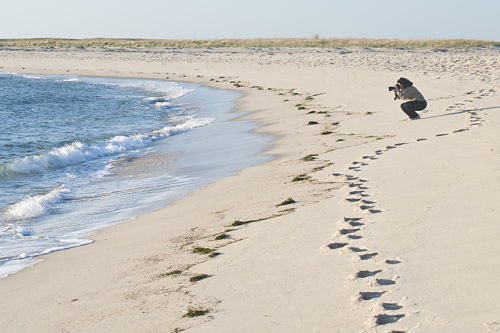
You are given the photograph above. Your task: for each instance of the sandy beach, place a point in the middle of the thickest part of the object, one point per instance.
(393, 226)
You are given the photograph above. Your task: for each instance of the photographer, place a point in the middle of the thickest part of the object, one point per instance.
(405, 90)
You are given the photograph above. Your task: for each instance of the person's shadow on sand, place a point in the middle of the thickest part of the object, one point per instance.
(463, 111)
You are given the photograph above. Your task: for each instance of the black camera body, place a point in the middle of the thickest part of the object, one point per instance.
(391, 88)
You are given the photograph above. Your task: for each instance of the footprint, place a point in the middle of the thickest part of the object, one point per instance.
(365, 274)
(357, 249)
(384, 319)
(390, 147)
(368, 202)
(441, 134)
(348, 231)
(459, 130)
(384, 282)
(356, 224)
(391, 306)
(365, 207)
(375, 211)
(422, 139)
(352, 219)
(353, 199)
(368, 256)
(392, 262)
(333, 246)
(368, 295)
(354, 236)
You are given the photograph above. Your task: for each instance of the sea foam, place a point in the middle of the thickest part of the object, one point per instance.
(34, 206)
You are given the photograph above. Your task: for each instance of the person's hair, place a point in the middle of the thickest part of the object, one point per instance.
(405, 82)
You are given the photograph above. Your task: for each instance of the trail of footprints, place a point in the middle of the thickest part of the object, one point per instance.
(377, 290)
(378, 283)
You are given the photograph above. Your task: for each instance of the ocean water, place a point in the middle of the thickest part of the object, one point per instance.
(81, 153)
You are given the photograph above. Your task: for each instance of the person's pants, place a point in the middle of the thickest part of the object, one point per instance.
(410, 107)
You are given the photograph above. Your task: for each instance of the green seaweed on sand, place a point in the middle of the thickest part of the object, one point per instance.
(172, 273)
(203, 250)
(192, 312)
(199, 277)
(319, 168)
(310, 157)
(238, 223)
(288, 201)
(301, 177)
(221, 236)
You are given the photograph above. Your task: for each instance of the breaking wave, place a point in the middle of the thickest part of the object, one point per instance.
(78, 152)
(34, 206)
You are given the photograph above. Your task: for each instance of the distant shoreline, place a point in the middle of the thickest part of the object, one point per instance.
(263, 42)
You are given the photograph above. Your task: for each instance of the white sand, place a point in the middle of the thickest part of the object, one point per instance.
(417, 252)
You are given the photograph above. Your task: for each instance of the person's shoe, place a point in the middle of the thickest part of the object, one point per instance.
(415, 118)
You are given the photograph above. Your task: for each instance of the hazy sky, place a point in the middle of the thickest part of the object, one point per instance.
(204, 19)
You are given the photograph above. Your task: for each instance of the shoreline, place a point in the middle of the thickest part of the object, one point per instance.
(209, 167)
(300, 257)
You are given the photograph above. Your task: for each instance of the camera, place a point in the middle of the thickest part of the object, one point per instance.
(391, 88)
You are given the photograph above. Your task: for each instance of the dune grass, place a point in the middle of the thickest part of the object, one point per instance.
(265, 42)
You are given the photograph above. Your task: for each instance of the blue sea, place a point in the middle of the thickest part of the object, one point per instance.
(81, 153)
